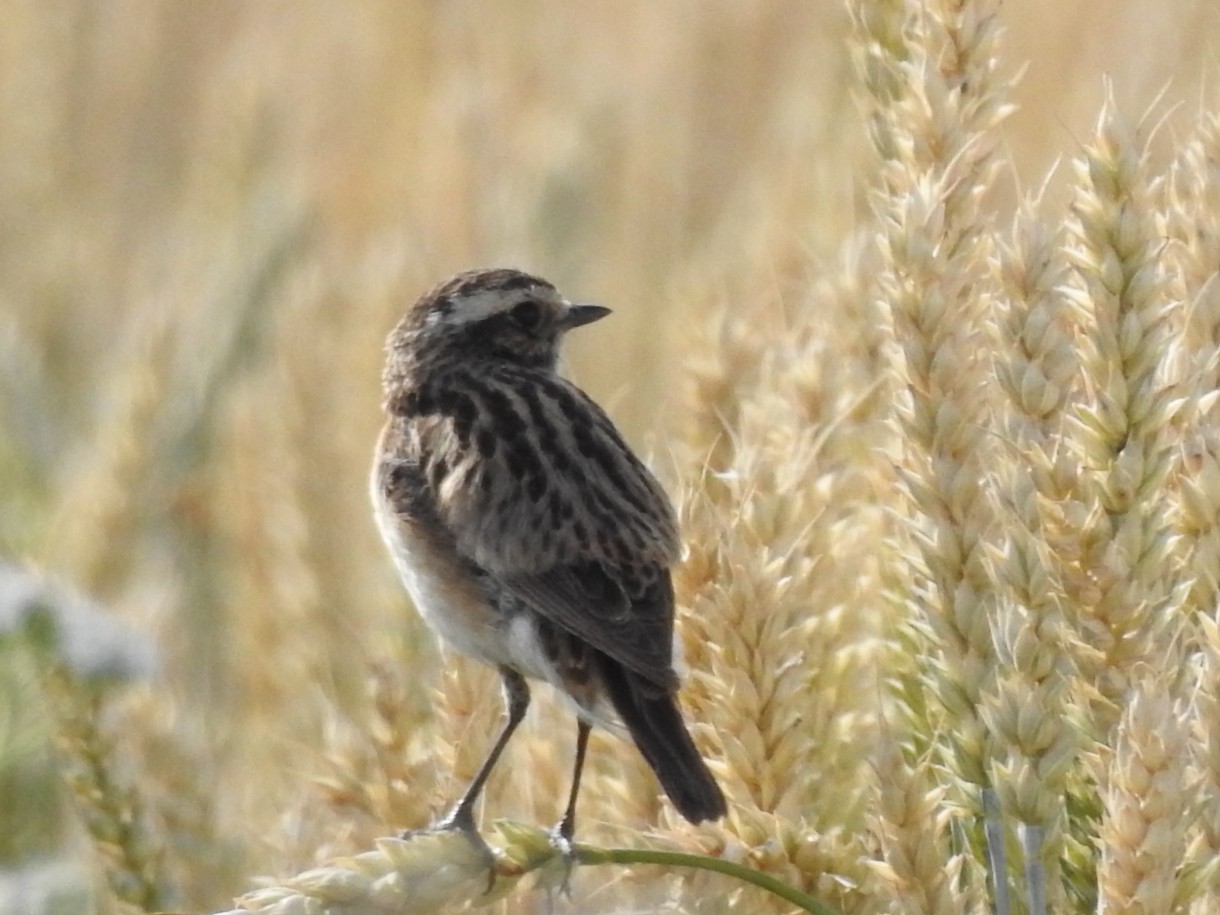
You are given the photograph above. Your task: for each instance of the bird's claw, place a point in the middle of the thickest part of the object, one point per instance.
(461, 821)
(561, 841)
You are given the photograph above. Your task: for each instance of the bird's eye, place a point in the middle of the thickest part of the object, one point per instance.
(527, 315)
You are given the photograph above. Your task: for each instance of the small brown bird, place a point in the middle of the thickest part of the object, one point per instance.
(527, 533)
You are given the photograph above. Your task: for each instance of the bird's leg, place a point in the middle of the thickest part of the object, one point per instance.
(517, 700)
(565, 829)
(461, 817)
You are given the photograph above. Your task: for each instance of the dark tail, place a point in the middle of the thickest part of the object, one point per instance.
(655, 724)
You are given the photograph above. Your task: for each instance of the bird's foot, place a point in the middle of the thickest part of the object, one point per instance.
(561, 840)
(462, 820)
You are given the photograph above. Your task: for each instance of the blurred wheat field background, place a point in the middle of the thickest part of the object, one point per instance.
(942, 430)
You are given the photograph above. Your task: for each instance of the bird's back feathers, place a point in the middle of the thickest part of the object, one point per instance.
(538, 489)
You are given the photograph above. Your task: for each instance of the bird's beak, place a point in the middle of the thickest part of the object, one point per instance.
(580, 314)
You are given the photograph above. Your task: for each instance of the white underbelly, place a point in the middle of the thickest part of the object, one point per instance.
(454, 608)
(460, 615)
(451, 607)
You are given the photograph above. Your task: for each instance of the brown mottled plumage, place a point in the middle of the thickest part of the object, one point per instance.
(527, 533)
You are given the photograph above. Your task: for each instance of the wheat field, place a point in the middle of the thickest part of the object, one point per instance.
(916, 313)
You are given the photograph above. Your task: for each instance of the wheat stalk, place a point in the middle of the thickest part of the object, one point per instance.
(1123, 585)
(936, 101)
(1035, 366)
(1149, 784)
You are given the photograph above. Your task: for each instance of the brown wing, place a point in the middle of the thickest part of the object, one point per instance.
(540, 491)
(633, 625)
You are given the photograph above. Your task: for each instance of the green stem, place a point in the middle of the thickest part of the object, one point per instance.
(588, 855)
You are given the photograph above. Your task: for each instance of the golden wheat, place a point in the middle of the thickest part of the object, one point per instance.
(945, 449)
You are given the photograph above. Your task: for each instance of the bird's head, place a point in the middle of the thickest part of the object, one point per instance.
(497, 314)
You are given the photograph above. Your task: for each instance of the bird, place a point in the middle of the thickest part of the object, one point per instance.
(527, 533)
